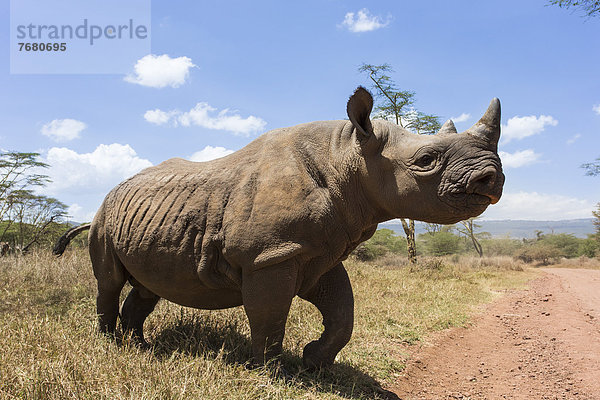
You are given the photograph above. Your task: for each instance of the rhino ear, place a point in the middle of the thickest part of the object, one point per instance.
(447, 129)
(488, 127)
(359, 109)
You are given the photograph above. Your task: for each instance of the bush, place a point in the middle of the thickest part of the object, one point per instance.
(434, 263)
(440, 243)
(566, 243)
(589, 247)
(501, 246)
(543, 253)
(381, 243)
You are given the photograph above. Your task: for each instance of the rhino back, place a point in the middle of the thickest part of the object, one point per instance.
(265, 203)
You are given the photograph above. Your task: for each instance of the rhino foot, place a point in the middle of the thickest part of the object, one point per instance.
(313, 356)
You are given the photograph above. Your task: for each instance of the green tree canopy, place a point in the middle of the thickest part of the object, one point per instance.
(591, 8)
(592, 168)
(25, 216)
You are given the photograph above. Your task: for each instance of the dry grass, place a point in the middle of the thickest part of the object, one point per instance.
(49, 348)
(579, 262)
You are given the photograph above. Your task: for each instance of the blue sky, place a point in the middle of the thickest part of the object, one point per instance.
(221, 73)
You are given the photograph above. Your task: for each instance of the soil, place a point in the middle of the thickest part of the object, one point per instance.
(538, 343)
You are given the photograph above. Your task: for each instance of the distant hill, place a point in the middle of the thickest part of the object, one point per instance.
(517, 229)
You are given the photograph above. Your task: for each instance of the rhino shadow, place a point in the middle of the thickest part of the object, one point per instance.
(198, 337)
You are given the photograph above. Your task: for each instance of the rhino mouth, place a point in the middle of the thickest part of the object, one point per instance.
(480, 199)
(493, 198)
(464, 205)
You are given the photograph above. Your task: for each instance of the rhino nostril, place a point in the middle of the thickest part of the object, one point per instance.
(487, 179)
(482, 179)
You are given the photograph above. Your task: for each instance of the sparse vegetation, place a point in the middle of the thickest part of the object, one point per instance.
(26, 217)
(49, 347)
(383, 242)
(441, 240)
(540, 252)
(550, 249)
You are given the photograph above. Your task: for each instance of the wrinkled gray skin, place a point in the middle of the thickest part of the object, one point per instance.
(276, 219)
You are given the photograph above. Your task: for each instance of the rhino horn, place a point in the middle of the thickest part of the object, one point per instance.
(447, 129)
(359, 109)
(488, 127)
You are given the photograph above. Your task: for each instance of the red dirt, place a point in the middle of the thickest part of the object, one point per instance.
(538, 343)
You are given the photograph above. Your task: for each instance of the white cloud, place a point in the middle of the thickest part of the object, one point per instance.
(363, 21)
(461, 118)
(63, 130)
(539, 206)
(210, 153)
(161, 71)
(78, 214)
(95, 172)
(519, 158)
(158, 117)
(199, 115)
(521, 127)
(596, 109)
(207, 117)
(573, 139)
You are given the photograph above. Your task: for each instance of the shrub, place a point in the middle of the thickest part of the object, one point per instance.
(566, 243)
(434, 263)
(501, 246)
(441, 243)
(543, 253)
(589, 247)
(381, 243)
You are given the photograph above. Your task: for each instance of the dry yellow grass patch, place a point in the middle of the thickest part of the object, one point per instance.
(49, 348)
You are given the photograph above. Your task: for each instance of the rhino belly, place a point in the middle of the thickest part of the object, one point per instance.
(179, 283)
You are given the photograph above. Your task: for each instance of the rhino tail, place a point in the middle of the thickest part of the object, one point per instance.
(63, 241)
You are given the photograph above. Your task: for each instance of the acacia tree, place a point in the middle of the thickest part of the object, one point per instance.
(422, 123)
(16, 173)
(395, 105)
(597, 221)
(23, 213)
(33, 214)
(468, 228)
(591, 8)
(432, 229)
(592, 168)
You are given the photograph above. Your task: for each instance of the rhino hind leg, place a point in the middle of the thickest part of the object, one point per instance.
(140, 302)
(332, 295)
(111, 277)
(107, 308)
(267, 295)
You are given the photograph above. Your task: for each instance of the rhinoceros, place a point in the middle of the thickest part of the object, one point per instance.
(276, 219)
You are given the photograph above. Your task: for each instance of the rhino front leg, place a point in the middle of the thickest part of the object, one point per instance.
(332, 295)
(267, 295)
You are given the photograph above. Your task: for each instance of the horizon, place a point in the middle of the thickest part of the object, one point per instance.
(216, 76)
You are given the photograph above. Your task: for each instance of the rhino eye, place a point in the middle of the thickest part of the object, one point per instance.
(425, 161)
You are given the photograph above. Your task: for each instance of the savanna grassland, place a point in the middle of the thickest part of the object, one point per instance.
(49, 347)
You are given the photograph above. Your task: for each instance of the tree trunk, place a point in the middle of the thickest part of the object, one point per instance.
(477, 246)
(411, 245)
(470, 231)
(37, 235)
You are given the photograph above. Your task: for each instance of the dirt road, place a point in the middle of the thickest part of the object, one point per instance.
(539, 343)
